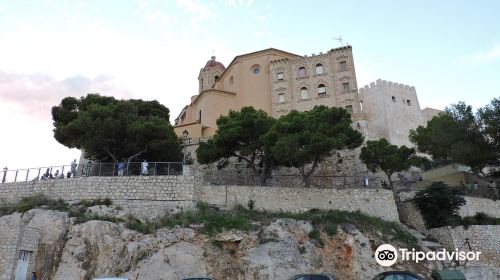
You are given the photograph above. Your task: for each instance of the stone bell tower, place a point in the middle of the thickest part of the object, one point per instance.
(209, 74)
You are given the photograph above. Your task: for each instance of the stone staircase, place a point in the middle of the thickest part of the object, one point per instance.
(426, 245)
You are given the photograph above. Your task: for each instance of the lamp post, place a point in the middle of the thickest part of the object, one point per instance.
(185, 133)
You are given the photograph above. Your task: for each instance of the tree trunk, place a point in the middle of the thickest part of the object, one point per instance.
(263, 175)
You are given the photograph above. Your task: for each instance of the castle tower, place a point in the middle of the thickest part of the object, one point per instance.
(209, 74)
(392, 110)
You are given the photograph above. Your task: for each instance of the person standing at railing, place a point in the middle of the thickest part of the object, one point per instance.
(121, 168)
(4, 174)
(144, 168)
(89, 168)
(73, 168)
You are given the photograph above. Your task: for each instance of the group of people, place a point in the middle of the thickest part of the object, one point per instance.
(71, 173)
(144, 168)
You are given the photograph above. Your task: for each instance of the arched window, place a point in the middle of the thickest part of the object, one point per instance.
(303, 93)
(216, 78)
(319, 69)
(321, 90)
(302, 72)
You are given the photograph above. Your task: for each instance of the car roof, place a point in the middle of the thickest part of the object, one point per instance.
(109, 278)
(312, 274)
(400, 272)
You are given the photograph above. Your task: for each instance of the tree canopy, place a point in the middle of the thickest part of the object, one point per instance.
(303, 139)
(381, 155)
(459, 135)
(439, 204)
(107, 129)
(239, 136)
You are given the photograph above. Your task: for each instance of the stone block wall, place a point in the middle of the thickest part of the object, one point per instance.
(483, 238)
(10, 230)
(408, 212)
(476, 204)
(410, 215)
(375, 202)
(146, 196)
(14, 238)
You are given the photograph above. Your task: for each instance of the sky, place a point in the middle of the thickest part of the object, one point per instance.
(147, 49)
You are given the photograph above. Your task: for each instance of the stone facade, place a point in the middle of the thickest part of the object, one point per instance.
(483, 238)
(297, 83)
(16, 238)
(274, 81)
(392, 110)
(378, 203)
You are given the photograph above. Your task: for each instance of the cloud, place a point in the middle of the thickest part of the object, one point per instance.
(36, 94)
(483, 56)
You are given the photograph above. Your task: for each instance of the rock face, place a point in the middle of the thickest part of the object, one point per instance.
(53, 226)
(277, 251)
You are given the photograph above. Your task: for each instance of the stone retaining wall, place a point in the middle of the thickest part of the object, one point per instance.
(410, 215)
(375, 202)
(146, 197)
(483, 238)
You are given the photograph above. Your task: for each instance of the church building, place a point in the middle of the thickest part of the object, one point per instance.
(277, 82)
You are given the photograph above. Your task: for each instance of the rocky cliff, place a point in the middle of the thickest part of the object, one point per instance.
(278, 249)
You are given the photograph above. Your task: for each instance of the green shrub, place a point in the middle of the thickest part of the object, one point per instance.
(302, 249)
(331, 229)
(314, 234)
(439, 203)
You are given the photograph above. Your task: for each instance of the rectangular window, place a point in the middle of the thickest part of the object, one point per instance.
(303, 93)
(343, 66)
(281, 98)
(349, 109)
(319, 69)
(280, 76)
(408, 102)
(394, 99)
(345, 86)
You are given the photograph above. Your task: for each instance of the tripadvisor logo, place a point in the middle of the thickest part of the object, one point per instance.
(387, 255)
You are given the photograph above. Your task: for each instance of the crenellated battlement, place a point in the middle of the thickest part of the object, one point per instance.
(384, 83)
(342, 49)
(312, 57)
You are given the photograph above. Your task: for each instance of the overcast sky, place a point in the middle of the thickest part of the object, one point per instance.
(448, 50)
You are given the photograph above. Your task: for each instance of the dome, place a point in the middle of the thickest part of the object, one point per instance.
(213, 63)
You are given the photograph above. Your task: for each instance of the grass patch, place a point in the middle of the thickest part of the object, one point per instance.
(89, 203)
(478, 219)
(35, 201)
(216, 221)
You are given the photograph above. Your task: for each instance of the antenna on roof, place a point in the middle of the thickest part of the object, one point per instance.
(339, 39)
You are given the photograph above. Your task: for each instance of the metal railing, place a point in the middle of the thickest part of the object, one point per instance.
(88, 170)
